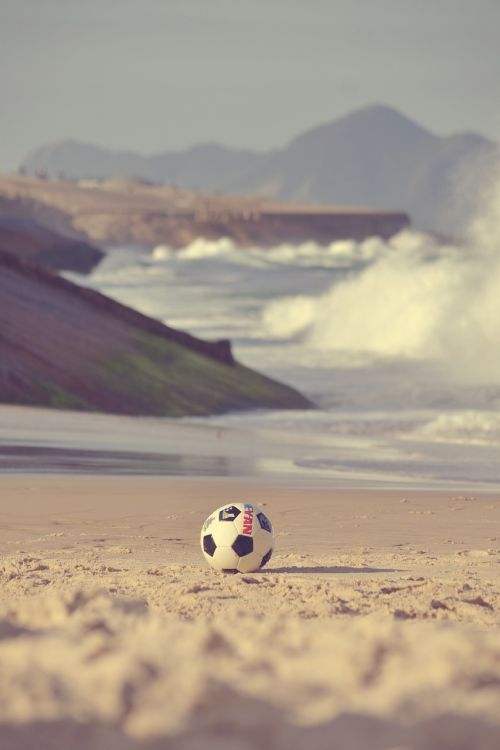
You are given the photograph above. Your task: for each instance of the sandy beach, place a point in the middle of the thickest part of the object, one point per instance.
(375, 624)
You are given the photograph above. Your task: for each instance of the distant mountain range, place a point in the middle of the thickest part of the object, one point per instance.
(373, 157)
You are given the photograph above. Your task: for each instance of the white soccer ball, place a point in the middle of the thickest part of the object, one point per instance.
(237, 538)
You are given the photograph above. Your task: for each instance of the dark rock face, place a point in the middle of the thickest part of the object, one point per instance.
(264, 229)
(327, 226)
(64, 346)
(24, 236)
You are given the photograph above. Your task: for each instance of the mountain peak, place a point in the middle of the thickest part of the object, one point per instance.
(376, 109)
(377, 122)
(384, 116)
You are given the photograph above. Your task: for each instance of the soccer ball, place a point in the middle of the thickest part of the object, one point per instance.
(237, 538)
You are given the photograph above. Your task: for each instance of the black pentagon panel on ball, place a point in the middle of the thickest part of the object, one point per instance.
(243, 545)
(266, 558)
(209, 545)
(265, 523)
(229, 513)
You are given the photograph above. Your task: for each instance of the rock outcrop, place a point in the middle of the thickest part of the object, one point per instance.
(120, 212)
(34, 232)
(64, 346)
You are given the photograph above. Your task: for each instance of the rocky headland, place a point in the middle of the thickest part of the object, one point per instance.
(34, 232)
(126, 211)
(67, 347)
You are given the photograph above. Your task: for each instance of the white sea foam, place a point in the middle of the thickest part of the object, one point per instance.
(468, 427)
(389, 309)
(415, 300)
(339, 254)
(161, 252)
(202, 248)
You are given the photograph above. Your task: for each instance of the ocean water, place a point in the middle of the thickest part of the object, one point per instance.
(396, 342)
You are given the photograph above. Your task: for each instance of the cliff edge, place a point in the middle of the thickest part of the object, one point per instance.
(126, 211)
(64, 346)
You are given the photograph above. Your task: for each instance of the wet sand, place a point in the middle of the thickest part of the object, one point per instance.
(374, 625)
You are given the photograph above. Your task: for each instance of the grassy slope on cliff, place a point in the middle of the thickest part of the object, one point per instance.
(172, 380)
(65, 347)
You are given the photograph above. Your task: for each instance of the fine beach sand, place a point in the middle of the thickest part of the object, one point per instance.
(375, 624)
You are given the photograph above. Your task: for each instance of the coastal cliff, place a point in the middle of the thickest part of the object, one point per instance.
(67, 347)
(125, 211)
(29, 231)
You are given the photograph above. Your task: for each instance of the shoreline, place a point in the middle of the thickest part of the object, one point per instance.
(19, 461)
(259, 446)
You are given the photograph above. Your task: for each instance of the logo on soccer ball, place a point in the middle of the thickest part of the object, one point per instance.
(248, 519)
(229, 513)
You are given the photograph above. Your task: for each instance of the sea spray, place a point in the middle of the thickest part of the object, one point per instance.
(386, 310)
(418, 299)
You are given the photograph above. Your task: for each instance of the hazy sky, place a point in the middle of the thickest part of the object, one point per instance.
(154, 75)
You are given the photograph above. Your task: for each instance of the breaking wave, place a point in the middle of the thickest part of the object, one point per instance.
(339, 254)
(469, 427)
(417, 300)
